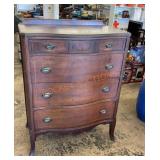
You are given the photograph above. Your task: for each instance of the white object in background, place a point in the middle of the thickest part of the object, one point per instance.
(56, 11)
(25, 7)
(143, 18)
(136, 14)
(143, 15)
(111, 15)
(51, 11)
(48, 11)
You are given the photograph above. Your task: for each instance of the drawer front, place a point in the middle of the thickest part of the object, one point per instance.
(72, 117)
(75, 68)
(41, 46)
(112, 44)
(82, 46)
(48, 94)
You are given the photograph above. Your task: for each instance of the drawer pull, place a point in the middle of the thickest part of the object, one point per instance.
(105, 89)
(103, 111)
(47, 95)
(108, 45)
(108, 66)
(45, 70)
(47, 120)
(50, 46)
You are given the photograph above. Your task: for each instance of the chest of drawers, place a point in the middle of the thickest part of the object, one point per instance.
(72, 76)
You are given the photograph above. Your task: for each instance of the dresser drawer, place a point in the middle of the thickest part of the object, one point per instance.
(73, 116)
(82, 46)
(48, 94)
(75, 68)
(43, 46)
(112, 44)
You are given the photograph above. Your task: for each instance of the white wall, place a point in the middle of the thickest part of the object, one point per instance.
(51, 11)
(136, 14)
(25, 7)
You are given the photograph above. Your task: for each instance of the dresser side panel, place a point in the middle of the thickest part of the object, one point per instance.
(27, 81)
(121, 74)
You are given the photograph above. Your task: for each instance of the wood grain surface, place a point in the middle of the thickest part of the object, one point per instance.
(72, 75)
(75, 68)
(73, 93)
(74, 116)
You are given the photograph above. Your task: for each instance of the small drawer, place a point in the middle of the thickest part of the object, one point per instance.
(78, 46)
(41, 46)
(53, 94)
(112, 44)
(73, 116)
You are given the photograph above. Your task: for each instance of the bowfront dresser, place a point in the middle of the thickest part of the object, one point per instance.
(72, 75)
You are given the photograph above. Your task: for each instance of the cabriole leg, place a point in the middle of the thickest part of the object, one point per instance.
(32, 149)
(111, 130)
(27, 124)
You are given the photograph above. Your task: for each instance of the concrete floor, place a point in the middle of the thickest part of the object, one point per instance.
(129, 130)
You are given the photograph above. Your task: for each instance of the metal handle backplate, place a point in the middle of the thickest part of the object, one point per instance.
(108, 66)
(50, 46)
(46, 70)
(106, 89)
(47, 95)
(108, 45)
(103, 111)
(47, 120)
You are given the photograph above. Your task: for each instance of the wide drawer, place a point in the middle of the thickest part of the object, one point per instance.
(50, 94)
(40, 46)
(75, 68)
(112, 44)
(73, 116)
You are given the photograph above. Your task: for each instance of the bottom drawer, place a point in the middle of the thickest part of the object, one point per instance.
(73, 116)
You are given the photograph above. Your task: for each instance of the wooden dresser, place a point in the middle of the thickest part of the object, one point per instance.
(72, 75)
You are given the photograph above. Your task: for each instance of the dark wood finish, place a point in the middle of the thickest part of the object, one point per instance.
(76, 68)
(71, 117)
(111, 130)
(72, 75)
(73, 93)
(82, 46)
(74, 130)
(114, 44)
(50, 46)
(28, 91)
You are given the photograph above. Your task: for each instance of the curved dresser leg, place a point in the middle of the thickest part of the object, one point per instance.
(27, 124)
(32, 149)
(111, 130)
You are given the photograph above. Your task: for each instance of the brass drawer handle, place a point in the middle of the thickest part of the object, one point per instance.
(108, 66)
(50, 46)
(103, 111)
(106, 89)
(47, 95)
(46, 70)
(108, 45)
(47, 120)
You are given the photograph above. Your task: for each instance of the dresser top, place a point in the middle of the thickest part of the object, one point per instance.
(70, 29)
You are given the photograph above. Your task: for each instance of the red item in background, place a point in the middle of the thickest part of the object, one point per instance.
(115, 24)
(141, 5)
(130, 5)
